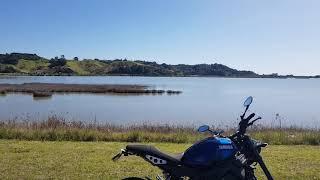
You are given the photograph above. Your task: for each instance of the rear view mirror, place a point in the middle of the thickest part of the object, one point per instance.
(203, 128)
(248, 101)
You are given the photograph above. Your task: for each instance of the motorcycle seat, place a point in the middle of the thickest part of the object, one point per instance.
(143, 150)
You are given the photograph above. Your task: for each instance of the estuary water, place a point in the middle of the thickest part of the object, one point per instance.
(204, 100)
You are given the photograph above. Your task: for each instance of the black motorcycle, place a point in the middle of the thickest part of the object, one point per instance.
(216, 157)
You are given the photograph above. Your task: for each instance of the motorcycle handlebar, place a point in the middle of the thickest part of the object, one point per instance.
(253, 121)
(244, 123)
(250, 117)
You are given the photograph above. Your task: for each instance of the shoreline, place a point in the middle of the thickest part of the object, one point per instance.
(133, 75)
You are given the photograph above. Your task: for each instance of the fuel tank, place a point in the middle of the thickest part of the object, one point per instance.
(208, 151)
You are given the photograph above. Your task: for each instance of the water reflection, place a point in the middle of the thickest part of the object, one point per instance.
(35, 98)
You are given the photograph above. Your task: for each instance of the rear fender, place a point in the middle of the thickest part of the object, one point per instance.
(154, 160)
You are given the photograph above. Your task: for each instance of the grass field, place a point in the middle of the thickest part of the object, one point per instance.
(92, 160)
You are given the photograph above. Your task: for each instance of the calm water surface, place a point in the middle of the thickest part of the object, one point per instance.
(215, 101)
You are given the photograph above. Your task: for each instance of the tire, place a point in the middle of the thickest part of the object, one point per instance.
(133, 178)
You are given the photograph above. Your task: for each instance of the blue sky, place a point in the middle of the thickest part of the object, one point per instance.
(264, 36)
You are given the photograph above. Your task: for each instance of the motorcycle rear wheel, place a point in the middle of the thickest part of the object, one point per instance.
(134, 178)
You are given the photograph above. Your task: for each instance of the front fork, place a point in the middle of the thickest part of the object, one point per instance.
(251, 149)
(255, 149)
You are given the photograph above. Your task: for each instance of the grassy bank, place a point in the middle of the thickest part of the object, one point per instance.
(58, 129)
(92, 160)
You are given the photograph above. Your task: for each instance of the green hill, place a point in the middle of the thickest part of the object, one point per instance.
(32, 64)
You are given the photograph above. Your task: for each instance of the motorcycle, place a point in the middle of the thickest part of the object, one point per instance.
(215, 157)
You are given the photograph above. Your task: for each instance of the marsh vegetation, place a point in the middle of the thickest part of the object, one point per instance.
(47, 89)
(58, 129)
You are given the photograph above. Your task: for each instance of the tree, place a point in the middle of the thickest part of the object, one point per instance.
(13, 58)
(57, 61)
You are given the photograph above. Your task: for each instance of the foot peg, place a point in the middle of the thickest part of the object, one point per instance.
(123, 152)
(260, 145)
(159, 178)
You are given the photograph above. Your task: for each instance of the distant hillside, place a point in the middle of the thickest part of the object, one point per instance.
(32, 64)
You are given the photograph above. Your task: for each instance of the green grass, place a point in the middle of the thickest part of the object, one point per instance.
(92, 160)
(76, 67)
(87, 67)
(27, 66)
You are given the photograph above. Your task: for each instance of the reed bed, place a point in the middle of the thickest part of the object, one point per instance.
(47, 88)
(42, 94)
(58, 129)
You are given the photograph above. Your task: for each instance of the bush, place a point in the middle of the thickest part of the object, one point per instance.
(7, 69)
(57, 62)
